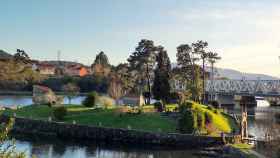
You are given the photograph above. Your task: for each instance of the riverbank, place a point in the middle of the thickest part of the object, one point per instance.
(111, 125)
(29, 93)
(125, 136)
(120, 117)
(207, 146)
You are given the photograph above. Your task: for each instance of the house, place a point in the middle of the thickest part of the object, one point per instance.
(45, 69)
(132, 100)
(76, 70)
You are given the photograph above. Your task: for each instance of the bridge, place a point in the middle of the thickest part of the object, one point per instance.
(224, 91)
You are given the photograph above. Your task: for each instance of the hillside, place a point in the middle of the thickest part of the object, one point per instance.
(5, 55)
(63, 63)
(237, 75)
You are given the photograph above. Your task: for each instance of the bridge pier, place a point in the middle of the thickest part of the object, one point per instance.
(222, 100)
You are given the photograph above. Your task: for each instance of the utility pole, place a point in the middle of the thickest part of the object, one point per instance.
(58, 55)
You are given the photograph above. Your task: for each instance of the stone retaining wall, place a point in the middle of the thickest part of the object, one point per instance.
(124, 136)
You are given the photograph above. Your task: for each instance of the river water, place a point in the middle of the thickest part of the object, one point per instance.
(61, 149)
(261, 121)
(11, 100)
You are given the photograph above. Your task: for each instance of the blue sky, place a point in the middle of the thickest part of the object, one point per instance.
(245, 33)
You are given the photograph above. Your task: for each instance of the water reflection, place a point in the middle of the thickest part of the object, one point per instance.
(60, 149)
(261, 123)
(11, 100)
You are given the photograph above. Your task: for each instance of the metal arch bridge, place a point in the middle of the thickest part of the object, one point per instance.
(246, 87)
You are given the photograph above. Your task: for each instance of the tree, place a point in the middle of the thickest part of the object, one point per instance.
(125, 76)
(9, 149)
(91, 99)
(212, 59)
(21, 56)
(71, 90)
(102, 59)
(101, 65)
(161, 87)
(115, 87)
(186, 60)
(199, 48)
(142, 62)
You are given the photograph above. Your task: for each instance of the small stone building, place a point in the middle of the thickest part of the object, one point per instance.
(45, 96)
(132, 100)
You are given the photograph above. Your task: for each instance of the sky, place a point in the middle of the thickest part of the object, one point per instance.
(246, 34)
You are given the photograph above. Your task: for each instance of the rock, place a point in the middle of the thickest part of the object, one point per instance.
(43, 95)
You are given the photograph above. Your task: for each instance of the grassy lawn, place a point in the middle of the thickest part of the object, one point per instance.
(107, 118)
(151, 121)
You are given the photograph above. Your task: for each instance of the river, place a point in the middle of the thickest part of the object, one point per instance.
(261, 121)
(10, 100)
(60, 149)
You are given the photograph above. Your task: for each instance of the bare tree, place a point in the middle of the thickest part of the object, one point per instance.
(71, 90)
(115, 87)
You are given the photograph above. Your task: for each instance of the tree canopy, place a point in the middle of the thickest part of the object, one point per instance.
(102, 59)
(161, 87)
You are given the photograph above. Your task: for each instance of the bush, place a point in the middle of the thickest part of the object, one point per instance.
(210, 108)
(90, 100)
(159, 106)
(186, 106)
(186, 122)
(208, 118)
(200, 120)
(60, 112)
(188, 118)
(107, 102)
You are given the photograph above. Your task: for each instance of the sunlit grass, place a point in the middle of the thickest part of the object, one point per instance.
(221, 121)
(150, 121)
(101, 117)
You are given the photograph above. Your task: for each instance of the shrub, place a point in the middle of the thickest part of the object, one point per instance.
(90, 100)
(188, 118)
(208, 118)
(210, 108)
(159, 106)
(186, 106)
(60, 112)
(186, 122)
(216, 111)
(200, 120)
(107, 102)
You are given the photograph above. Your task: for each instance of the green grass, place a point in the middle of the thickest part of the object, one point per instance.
(107, 118)
(245, 148)
(242, 146)
(221, 121)
(149, 121)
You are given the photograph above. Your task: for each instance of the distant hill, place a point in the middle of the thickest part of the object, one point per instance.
(237, 75)
(5, 55)
(63, 63)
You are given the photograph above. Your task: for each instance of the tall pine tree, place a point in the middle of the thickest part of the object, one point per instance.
(161, 86)
(142, 62)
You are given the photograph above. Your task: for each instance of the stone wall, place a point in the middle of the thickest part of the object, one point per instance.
(108, 135)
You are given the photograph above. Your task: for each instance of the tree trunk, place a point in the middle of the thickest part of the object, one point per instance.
(203, 82)
(149, 85)
(212, 83)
